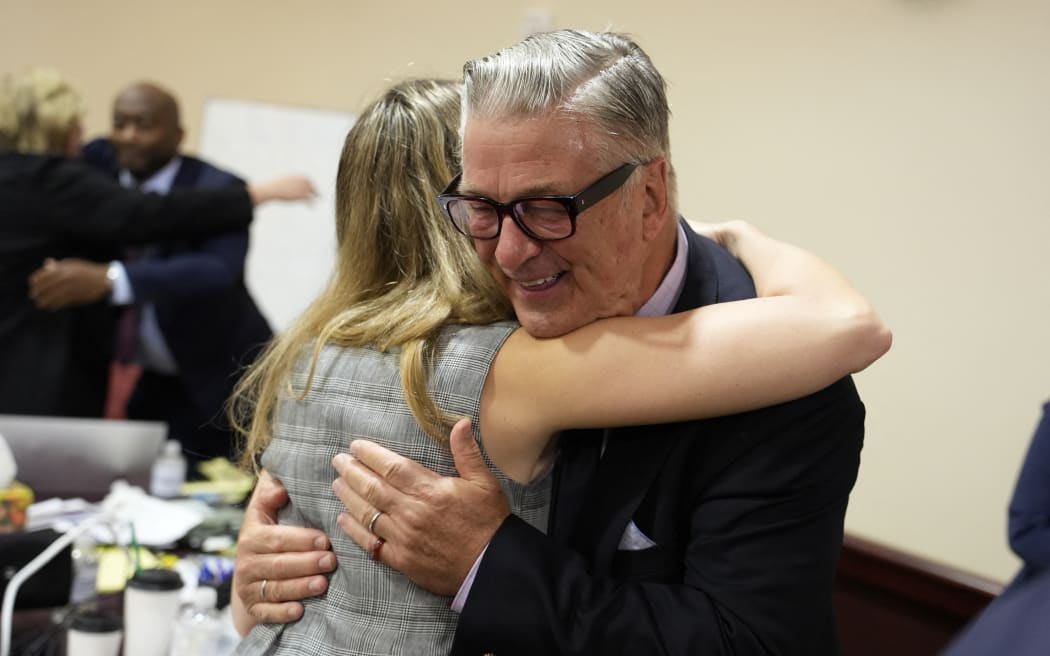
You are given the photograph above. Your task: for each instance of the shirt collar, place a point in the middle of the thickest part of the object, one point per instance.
(160, 182)
(666, 295)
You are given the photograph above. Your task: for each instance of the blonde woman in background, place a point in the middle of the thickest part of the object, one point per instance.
(51, 207)
(411, 334)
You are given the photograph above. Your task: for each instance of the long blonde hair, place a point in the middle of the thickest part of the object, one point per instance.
(39, 109)
(402, 271)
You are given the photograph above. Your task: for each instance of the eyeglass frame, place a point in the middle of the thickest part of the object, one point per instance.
(574, 204)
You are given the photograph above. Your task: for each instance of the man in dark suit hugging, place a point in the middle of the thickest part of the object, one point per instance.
(189, 323)
(708, 537)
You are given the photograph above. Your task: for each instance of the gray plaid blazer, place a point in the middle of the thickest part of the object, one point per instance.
(371, 609)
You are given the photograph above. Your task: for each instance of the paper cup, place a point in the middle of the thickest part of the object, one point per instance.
(151, 605)
(93, 633)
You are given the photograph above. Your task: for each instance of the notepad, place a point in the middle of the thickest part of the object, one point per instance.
(115, 567)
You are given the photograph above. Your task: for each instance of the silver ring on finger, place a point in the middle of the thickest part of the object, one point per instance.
(262, 589)
(372, 522)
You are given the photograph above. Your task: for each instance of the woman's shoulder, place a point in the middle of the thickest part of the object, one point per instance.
(456, 346)
(52, 174)
(27, 166)
(339, 361)
(485, 336)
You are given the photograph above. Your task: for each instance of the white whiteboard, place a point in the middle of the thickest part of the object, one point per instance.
(292, 244)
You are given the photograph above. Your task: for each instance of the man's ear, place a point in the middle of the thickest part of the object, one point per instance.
(655, 203)
(179, 134)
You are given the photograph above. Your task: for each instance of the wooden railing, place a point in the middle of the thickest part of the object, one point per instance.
(891, 603)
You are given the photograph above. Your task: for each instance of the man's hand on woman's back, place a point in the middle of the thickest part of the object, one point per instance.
(291, 561)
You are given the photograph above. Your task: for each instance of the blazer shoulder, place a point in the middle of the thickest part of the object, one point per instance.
(199, 174)
(712, 274)
(99, 153)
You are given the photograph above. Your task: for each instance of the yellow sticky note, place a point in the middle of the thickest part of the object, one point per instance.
(115, 567)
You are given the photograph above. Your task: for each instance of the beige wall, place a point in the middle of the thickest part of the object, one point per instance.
(906, 140)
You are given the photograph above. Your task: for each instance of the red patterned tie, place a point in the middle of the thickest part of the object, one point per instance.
(124, 372)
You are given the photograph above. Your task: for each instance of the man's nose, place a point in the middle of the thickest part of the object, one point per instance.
(514, 247)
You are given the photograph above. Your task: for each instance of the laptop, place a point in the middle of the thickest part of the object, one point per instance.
(75, 457)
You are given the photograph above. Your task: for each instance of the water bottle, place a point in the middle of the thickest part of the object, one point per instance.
(199, 629)
(85, 570)
(169, 472)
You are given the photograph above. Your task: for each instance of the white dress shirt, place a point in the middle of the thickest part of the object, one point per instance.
(152, 351)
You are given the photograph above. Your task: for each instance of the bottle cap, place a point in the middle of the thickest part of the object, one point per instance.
(172, 448)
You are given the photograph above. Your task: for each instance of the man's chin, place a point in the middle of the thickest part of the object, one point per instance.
(545, 325)
(133, 168)
(133, 165)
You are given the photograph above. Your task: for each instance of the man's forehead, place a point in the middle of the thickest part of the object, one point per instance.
(135, 109)
(540, 183)
(524, 156)
(143, 101)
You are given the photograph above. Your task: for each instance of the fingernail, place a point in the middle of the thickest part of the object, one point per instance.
(326, 562)
(320, 542)
(340, 460)
(338, 485)
(352, 449)
(293, 612)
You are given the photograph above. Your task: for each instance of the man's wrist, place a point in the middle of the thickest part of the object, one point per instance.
(118, 287)
(460, 600)
(111, 276)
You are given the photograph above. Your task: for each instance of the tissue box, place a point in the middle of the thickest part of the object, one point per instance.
(14, 499)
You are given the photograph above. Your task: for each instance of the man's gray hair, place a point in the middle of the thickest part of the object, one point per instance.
(603, 78)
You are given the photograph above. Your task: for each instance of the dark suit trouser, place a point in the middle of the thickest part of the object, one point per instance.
(159, 397)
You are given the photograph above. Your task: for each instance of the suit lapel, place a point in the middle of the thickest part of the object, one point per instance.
(188, 174)
(634, 456)
(632, 459)
(574, 474)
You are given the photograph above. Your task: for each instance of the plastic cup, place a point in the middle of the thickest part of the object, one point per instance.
(151, 606)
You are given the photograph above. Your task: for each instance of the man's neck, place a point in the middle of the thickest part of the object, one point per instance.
(159, 182)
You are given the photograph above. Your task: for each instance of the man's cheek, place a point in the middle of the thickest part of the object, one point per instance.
(485, 250)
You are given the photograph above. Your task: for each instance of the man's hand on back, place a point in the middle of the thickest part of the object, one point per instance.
(291, 560)
(64, 283)
(432, 527)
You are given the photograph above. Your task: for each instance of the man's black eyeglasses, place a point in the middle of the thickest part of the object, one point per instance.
(544, 218)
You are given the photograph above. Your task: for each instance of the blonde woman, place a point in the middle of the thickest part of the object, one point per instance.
(411, 334)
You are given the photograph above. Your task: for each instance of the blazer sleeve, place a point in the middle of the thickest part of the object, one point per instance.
(208, 266)
(752, 574)
(1029, 523)
(216, 265)
(86, 205)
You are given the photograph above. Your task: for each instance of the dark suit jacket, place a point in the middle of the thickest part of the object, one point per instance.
(50, 362)
(1029, 525)
(209, 321)
(746, 513)
(1014, 624)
